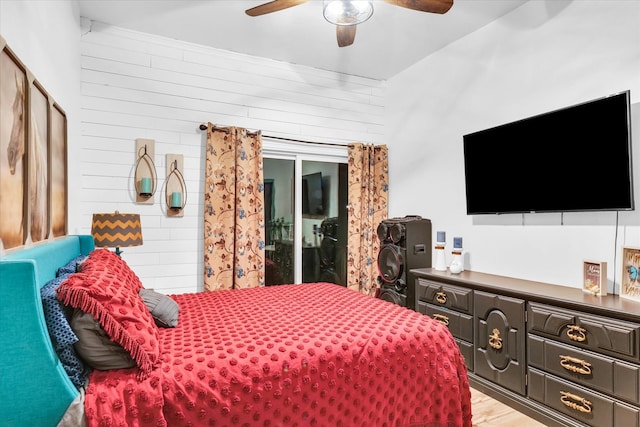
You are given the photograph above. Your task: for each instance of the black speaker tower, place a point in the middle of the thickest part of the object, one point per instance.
(329, 250)
(334, 231)
(405, 244)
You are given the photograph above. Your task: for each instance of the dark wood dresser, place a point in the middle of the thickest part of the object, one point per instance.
(555, 353)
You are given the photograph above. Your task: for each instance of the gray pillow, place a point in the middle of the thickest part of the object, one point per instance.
(94, 345)
(164, 309)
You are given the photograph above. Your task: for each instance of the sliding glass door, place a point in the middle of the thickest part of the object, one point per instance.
(305, 214)
(279, 220)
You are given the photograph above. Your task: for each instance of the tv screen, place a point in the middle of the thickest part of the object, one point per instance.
(312, 194)
(573, 159)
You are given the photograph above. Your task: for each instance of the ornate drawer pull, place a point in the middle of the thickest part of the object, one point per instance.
(575, 402)
(442, 319)
(575, 365)
(576, 333)
(494, 340)
(441, 297)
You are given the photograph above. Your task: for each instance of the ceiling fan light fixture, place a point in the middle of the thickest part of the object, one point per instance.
(346, 12)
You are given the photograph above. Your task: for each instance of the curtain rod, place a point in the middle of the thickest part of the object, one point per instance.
(204, 127)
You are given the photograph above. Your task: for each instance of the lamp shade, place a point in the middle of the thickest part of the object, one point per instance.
(346, 12)
(115, 230)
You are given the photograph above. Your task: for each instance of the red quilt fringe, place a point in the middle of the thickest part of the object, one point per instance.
(79, 298)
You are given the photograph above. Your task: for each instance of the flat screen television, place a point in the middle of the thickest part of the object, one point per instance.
(573, 159)
(312, 194)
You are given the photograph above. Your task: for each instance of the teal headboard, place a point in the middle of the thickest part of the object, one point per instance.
(34, 389)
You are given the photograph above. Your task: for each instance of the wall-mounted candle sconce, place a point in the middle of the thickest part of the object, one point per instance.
(145, 176)
(175, 187)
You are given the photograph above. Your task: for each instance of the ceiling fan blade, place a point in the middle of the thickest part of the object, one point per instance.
(433, 6)
(346, 34)
(273, 6)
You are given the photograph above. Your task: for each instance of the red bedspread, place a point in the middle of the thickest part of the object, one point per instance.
(291, 355)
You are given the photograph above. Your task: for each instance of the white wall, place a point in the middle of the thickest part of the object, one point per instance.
(543, 56)
(45, 35)
(136, 85)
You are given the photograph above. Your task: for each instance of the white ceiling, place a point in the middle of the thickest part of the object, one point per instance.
(392, 40)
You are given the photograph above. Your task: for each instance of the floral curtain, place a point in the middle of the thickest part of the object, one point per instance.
(368, 206)
(233, 209)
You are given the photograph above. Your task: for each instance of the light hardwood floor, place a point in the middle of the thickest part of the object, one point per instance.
(488, 412)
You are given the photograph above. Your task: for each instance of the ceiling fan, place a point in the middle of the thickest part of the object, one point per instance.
(346, 14)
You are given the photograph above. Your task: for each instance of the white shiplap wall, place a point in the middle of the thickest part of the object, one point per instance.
(136, 85)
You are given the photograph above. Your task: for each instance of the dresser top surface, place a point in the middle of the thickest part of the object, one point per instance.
(564, 296)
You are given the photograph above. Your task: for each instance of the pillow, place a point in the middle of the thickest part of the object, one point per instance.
(163, 308)
(104, 259)
(107, 289)
(94, 345)
(61, 333)
(72, 266)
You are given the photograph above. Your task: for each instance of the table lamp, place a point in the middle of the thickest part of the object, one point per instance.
(116, 230)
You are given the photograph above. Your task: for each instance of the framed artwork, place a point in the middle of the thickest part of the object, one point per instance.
(33, 157)
(594, 277)
(13, 142)
(38, 158)
(58, 171)
(630, 287)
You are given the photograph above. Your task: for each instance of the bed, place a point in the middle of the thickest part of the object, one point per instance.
(291, 355)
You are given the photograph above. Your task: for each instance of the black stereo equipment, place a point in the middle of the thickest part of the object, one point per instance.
(334, 231)
(405, 244)
(329, 251)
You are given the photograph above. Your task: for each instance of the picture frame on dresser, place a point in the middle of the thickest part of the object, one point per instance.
(630, 280)
(594, 277)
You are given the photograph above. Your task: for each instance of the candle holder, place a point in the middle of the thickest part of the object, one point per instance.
(175, 187)
(145, 175)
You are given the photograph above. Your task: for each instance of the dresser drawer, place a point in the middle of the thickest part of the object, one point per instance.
(587, 406)
(601, 334)
(598, 372)
(460, 325)
(466, 348)
(445, 295)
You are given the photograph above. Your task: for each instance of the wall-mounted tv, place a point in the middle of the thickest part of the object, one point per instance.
(570, 160)
(312, 194)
